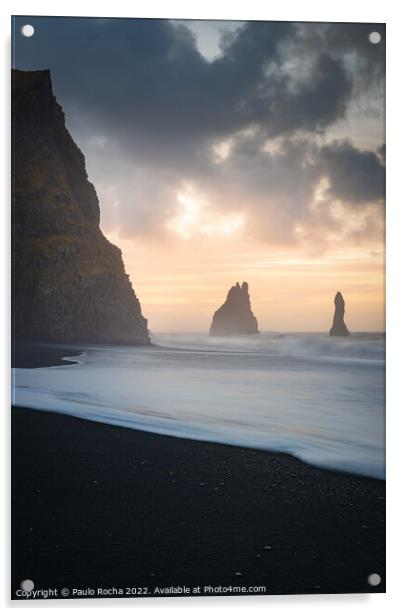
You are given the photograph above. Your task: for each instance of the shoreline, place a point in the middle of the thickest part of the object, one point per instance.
(35, 354)
(41, 354)
(95, 504)
(30, 354)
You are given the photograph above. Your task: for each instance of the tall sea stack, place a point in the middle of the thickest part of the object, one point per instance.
(235, 315)
(69, 282)
(338, 326)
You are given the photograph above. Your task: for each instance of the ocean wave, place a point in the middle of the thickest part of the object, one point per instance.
(270, 392)
(359, 347)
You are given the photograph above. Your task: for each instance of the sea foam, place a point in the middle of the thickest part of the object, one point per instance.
(318, 398)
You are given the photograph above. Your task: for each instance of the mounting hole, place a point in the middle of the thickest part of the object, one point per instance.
(374, 579)
(27, 585)
(27, 30)
(375, 38)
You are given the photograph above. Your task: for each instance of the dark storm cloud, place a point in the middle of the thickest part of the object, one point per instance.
(354, 38)
(276, 187)
(381, 151)
(318, 103)
(146, 77)
(351, 44)
(146, 107)
(355, 176)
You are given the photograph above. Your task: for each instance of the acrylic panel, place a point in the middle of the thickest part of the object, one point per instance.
(198, 308)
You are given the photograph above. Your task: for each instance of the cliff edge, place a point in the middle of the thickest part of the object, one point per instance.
(69, 282)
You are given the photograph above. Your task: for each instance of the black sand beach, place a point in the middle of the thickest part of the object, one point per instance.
(41, 355)
(96, 505)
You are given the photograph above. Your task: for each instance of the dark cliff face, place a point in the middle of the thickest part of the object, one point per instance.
(235, 315)
(338, 327)
(69, 282)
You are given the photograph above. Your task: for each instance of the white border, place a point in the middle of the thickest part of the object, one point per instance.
(291, 10)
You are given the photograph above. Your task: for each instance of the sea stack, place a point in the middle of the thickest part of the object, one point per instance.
(69, 280)
(338, 326)
(235, 316)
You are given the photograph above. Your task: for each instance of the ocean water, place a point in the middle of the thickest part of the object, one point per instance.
(318, 398)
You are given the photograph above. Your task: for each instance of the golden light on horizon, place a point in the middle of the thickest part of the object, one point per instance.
(181, 281)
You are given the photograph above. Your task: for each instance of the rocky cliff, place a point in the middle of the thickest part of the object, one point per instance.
(69, 282)
(235, 315)
(338, 326)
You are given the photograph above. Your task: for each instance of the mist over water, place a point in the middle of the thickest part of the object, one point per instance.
(318, 398)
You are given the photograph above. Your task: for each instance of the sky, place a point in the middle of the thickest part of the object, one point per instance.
(230, 151)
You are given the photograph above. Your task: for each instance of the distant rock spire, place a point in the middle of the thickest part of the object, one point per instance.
(235, 315)
(338, 326)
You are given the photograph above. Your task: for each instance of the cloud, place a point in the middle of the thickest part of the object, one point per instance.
(150, 112)
(147, 80)
(293, 190)
(355, 176)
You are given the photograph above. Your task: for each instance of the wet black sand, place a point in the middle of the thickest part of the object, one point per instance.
(96, 505)
(39, 355)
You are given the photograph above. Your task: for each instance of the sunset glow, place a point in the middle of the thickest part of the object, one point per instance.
(246, 151)
(181, 284)
(196, 218)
